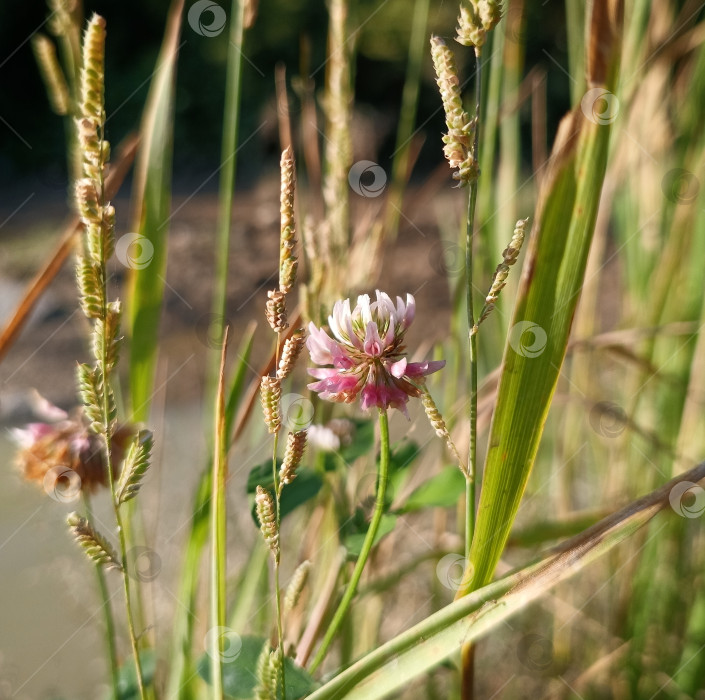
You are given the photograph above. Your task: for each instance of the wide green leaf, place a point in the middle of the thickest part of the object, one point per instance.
(441, 490)
(239, 672)
(127, 687)
(353, 543)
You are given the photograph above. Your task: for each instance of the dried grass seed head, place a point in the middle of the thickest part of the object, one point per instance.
(293, 346)
(270, 396)
(266, 514)
(295, 446)
(276, 310)
(461, 128)
(52, 75)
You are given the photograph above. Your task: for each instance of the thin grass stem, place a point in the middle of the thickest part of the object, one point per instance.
(105, 368)
(382, 477)
(468, 654)
(219, 530)
(107, 610)
(277, 495)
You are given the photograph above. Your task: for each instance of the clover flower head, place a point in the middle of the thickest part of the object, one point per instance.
(366, 357)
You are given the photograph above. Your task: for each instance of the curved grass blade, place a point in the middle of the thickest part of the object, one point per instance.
(412, 653)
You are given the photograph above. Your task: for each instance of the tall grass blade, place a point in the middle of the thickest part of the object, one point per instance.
(228, 162)
(151, 219)
(549, 290)
(182, 670)
(218, 531)
(407, 119)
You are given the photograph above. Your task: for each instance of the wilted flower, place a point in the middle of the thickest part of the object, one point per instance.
(68, 443)
(367, 355)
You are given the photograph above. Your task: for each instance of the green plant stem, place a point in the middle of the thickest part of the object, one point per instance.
(128, 604)
(382, 477)
(407, 118)
(105, 407)
(121, 532)
(468, 652)
(106, 607)
(472, 336)
(218, 524)
(277, 592)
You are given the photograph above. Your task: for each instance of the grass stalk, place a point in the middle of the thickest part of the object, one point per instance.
(219, 530)
(278, 485)
(228, 162)
(467, 654)
(107, 427)
(277, 592)
(107, 610)
(407, 118)
(382, 477)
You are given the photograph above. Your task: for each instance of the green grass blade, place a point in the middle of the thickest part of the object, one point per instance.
(549, 290)
(218, 532)
(182, 669)
(428, 643)
(407, 118)
(152, 210)
(228, 162)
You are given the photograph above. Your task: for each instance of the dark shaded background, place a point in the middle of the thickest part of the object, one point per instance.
(32, 142)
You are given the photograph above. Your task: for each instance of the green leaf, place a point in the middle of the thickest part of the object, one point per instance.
(363, 441)
(302, 489)
(442, 490)
(127, 688)
(402, 456)
(353, 543)
(239, 677)
(145, 253)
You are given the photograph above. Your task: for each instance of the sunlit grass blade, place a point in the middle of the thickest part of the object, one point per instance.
(427, 644)
(146, 254)
(549, 290)
(218, 530)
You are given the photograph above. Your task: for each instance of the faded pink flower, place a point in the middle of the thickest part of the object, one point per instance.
(65, 441)
(367, 355)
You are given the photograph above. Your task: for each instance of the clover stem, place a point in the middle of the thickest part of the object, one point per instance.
(382, 477)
